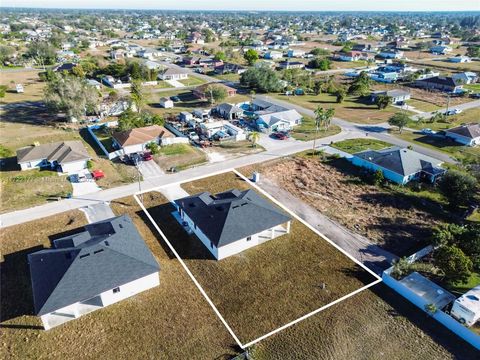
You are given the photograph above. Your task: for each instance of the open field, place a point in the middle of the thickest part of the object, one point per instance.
(180, 156)
(30, 80)
(192, 81)
(226, 77)
(446, 65)
(352, 109)
(306, 131)
(397, 218)
(352, 146)
(467, 116)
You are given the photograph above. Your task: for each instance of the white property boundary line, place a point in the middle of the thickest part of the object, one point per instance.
(202, 291)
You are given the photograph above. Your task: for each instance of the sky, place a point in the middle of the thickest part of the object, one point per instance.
(288, 5)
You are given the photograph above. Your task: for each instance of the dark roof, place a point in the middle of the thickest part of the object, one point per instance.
(229, 108)
(470, 131)
(232, 215)
(66, 67)
(401, 161)
(106, 255)
(446, 81)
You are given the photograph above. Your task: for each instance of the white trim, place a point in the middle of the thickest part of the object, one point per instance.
(202, 291)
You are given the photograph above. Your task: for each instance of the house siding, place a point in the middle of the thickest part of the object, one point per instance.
(462, 139)
(388, 174)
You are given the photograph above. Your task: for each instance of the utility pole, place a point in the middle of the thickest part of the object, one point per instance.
(448, 102)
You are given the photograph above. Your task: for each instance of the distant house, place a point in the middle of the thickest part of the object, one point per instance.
(222, 129)
(273, 55)
(460, 59)
(230, 222)
(228, 111)
(399, 165)
(287, 65)
(87, 271)
(201, 92)
(397, 95)
(391, 54)
(439, 83)
(468, 134)
(230, 68)
(384, 77)
(172, 73)
(185, 116)
(354, 56)
(465, 78)
(295, 53)
(92, 82)
(68, 67)
(166, 103)
(440, 49)
(136, 140)
(65, 156)
(273, 117)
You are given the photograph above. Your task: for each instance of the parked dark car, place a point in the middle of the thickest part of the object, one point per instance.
(279, 136)
(174, 98)
(475, 96)
(147, 156)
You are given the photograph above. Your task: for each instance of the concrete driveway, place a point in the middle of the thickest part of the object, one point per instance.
(371, 255)
(175, 83)
(150, 169)
(98, 212)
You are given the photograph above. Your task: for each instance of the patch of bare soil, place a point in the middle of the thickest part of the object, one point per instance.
(392, 220)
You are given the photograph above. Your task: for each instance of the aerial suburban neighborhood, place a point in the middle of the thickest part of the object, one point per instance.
(240, 181)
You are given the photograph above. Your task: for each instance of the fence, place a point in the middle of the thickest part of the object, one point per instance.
(109, 155)
(443, 318)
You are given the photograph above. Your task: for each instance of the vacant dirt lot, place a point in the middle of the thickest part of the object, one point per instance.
(394, 221)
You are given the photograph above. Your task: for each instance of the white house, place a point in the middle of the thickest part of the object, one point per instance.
(440, 49)
(136, 140)
(166, 103)
(460, 59)
(468, 134)
(391, 54)
(279, 120)
(233, 221)
(397, 95)
(295, 53)
(64, 156)
(465, 78)
(466, 309)
(273, 55)
(87, 271)
(174, 74)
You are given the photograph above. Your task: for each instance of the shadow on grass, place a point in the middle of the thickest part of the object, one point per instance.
(439, 141)
(28, 112)
(440, 334)
(16, 297)
(187, 246)
(9, 164)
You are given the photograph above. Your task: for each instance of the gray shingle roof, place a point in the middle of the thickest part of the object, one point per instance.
(470, 131)
(106, 255)
(62, 152)
(229, 108)
(232, 215)
(401, 161)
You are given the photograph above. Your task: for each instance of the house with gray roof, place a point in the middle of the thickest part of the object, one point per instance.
(272, 117)
(397, 95)
(232, 221)
(467, 134)
(228, 111)
(400, 165)
(106, 263)
(64, 156)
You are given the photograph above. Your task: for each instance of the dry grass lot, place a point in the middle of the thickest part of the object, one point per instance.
(173, 321)
(180, 156)
(284, 288)
(352, 109)
(397, 218)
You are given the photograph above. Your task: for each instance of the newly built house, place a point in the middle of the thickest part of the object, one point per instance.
(468, 134)
(172, 73)
(64, 156)
(232, 221)
(400, 165)
(106, 263)
(397, 95)
(272, 117)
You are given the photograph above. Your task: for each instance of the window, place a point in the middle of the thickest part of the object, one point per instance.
(249, 238)
(116, 290)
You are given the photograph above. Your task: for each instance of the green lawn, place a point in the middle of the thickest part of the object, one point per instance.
(422, 105)
(227, 77)
(307, 130)
(356, 145)
(462, 288)
(473, 87)
(467, 116)
(180, 156)
(192, 81)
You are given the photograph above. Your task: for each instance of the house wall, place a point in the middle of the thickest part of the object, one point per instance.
(29, 165)
(74, 166)
(388, 174)
(462, 139)
(203, 238)
(104, 299)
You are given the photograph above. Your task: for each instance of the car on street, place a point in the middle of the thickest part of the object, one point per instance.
(453, 112)
(280, 136)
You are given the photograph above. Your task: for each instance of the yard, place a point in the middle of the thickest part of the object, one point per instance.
(176, 322)
(180, 156)
(353, 108)
(398, 218)
(306, 131)
(352, 146)
(192, 81)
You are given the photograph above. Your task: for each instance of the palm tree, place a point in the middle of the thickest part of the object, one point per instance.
(254, 137)
(323, 118)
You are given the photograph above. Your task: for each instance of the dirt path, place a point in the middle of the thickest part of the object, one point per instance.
(356, 245)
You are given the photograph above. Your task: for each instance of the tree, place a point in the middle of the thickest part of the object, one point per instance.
(323, 117)
(456, 266)
(457, 188)
(251, 56)
(5, 53)
(431, 309)
(254, 137)
(399, 120)
(382, 101)
(153, 148)
(378, 178)
(473, 51)
(263, 79)
(42, 52)
(71, 95)
(340, 94)
(319, 63)
(220, 56)
(361, 85)
(3, 90)
(138, 95)
(317, 87)
(320, 52)
(216, 93)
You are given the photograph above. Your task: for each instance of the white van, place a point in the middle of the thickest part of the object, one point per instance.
(466, 309)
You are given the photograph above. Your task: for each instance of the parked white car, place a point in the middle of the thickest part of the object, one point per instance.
(428, 131)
